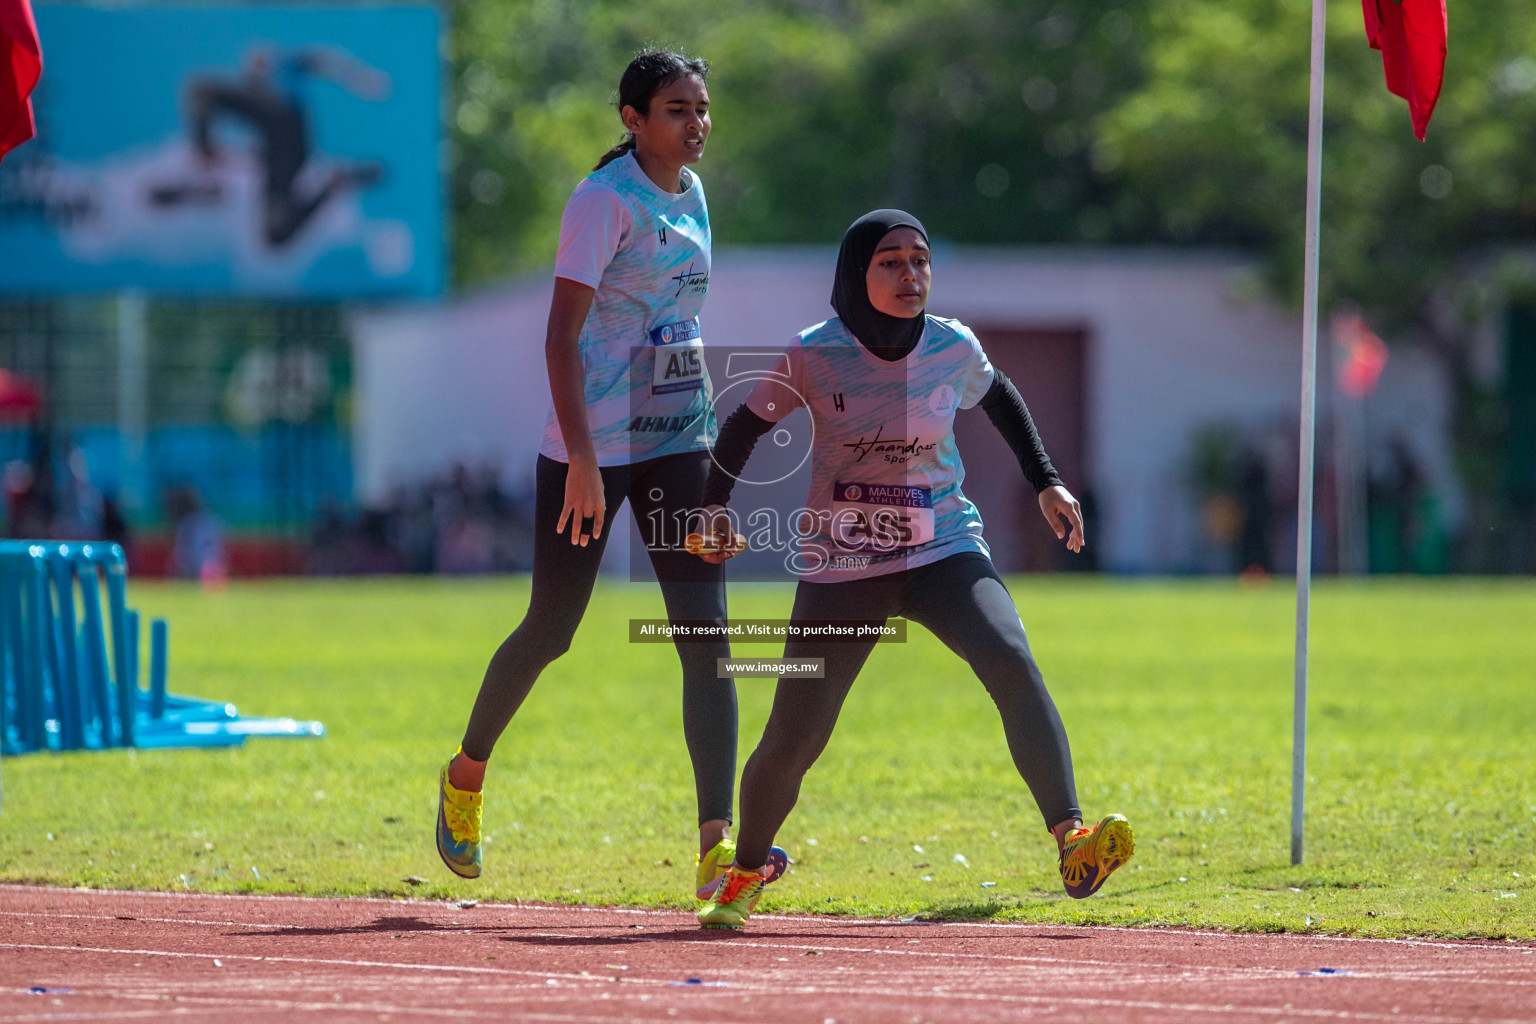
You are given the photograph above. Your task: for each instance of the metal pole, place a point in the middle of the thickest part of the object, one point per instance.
(1308, 431)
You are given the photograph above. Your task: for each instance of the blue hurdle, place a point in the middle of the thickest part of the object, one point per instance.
(70, 681)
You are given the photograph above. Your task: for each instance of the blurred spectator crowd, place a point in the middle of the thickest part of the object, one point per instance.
(66, 506)
(460, 522)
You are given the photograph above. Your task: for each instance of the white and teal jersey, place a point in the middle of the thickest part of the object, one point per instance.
(646, 252)
(886, 475)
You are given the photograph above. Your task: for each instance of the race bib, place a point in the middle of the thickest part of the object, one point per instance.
(881, 517)
(679, 358)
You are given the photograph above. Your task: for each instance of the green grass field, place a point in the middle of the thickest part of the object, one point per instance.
(1176, 696)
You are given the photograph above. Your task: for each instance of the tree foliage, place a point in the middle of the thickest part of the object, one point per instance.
(1030, 121)
(1215, 139)
(1418, 235)
(978, 114)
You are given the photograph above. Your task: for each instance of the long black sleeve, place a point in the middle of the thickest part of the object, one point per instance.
(738, 436)
(1006, 409)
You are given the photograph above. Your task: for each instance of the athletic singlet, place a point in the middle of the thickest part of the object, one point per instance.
(886, 475)
(646, 252)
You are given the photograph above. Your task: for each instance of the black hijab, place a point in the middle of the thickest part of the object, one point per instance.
(889, 337)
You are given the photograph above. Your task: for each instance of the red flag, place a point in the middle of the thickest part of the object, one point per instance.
(1411, 37)
(21, 62)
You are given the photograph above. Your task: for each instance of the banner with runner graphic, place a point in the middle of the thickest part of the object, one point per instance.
(263, 151)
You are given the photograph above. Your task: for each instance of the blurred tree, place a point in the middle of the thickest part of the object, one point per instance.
(1216, 141)
(977, 114)
(1216, 138)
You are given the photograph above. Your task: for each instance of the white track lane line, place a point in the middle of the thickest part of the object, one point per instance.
(857, 922)
(832, 986)
(1463, 946)
(223, 1004)
(1232, 971)
(158, 1013)
(1204, 1010)
(983, 928)
(130, 918)
(322, 962)
(1391, 974)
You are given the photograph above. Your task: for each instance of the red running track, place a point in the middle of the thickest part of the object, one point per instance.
(117, 956)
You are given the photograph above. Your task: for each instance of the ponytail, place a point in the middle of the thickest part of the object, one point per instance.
(626, 145)
(650, 72)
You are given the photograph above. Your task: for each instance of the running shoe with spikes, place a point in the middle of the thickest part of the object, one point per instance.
(458, 827)
(733, 900)
(713, 866)
(1091, 854)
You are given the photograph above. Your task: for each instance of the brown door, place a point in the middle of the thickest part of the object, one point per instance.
(1048, 365)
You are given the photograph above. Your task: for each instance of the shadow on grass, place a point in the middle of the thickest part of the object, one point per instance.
(1280, 877)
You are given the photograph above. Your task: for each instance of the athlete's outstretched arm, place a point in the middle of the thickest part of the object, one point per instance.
(567, 386)
(1006, 409)
(738, 436)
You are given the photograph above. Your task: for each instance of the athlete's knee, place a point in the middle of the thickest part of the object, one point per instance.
(1005, 655)
(1010, 673)
(540, 640)
(791, 753)
(552, 645)
(774, 770)
(701, 664)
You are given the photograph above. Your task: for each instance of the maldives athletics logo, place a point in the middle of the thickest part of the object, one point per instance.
(942, 401)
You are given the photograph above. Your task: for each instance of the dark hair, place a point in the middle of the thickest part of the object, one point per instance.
(649, 73)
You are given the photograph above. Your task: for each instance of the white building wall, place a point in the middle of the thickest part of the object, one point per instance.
(1171, 347)
(461, 381)
(1175, 341)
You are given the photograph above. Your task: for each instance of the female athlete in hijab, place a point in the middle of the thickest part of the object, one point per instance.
(895, 535)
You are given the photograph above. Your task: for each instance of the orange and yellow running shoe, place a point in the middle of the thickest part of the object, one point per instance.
(1092, 854)
(710, 868)
(733, 901)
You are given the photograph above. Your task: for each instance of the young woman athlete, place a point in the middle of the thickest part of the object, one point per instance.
(894, 535)
(632, 418)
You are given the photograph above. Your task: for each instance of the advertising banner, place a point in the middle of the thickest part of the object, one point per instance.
(279, 151)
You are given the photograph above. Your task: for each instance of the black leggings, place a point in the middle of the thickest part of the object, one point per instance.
(563, 576)
(963, 602)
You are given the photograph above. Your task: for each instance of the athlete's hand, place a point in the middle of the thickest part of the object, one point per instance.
(583, 500)
(717, 527)
(1059, 507)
